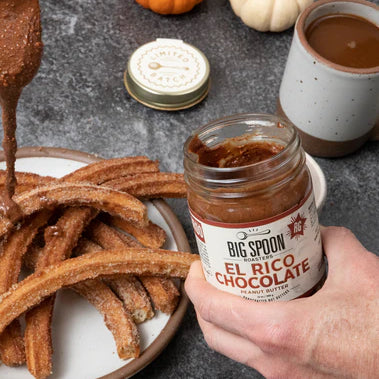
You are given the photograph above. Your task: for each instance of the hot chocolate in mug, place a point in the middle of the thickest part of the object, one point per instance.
(330, 87)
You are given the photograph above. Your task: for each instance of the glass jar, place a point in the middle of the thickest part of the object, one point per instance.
(256, 223)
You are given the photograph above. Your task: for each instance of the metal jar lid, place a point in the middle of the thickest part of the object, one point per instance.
(167, 74)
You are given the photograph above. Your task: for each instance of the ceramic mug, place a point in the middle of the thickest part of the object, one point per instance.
(335, 108)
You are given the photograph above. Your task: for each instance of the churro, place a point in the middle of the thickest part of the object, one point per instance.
(101, 198)
(60, 239)
(81, 188)
(38, 346)
(108, 237)
(152, 185)
(133, 261)
(37, 197)
(139, 307)
(129, 289)
(117, 319)
(134, 297)
(32, 201)
(108, 169)
(12, 348)
(95, 174)
(15, 246)
(116, 316)
(163, 292)
(12, 345)
(25, 181)
(152, 235)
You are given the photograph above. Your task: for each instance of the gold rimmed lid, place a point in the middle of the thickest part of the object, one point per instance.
(167, 74)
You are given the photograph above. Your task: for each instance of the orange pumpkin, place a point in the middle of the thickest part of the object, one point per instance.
(169, 6)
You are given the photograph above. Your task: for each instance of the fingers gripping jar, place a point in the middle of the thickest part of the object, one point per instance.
(252, 207)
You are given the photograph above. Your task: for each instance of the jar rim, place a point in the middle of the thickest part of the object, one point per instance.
(236, 118)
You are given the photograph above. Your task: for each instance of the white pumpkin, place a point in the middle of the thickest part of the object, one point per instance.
(269, 15)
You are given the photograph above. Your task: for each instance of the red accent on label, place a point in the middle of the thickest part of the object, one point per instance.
(198, 229)
(297, 226)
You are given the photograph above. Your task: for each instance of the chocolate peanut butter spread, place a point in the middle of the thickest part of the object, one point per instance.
(254, 200)
(347, 40)
(252, 208)
(20, 57)
(232, 153)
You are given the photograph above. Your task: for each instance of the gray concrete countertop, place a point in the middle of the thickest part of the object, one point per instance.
(78, 101)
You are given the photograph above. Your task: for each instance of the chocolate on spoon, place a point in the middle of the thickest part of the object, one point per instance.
(20, 57)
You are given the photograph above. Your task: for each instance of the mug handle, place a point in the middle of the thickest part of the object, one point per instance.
(375, 133)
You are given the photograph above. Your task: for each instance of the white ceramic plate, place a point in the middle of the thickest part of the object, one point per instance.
(83, 346)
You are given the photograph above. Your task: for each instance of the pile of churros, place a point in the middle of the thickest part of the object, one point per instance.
(88, 231)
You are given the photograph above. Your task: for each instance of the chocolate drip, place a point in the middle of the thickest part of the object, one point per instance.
(20, 57)
(9, 101)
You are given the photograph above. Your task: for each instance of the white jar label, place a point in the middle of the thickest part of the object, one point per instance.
(168, 65)
(279, 258)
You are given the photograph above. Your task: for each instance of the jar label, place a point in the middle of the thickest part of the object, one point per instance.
(168, 65)
(279, 258)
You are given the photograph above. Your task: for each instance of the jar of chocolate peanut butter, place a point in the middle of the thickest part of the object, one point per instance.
(252, 207)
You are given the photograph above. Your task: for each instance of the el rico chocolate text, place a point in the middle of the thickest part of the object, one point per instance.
(262, 275)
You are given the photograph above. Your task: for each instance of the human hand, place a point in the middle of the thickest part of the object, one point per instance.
(334, 333)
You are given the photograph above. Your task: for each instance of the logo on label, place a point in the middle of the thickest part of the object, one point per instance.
(297, 226)
(245, 235)
(169, 66)
(198, 229)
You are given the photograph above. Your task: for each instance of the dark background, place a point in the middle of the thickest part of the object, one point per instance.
(78, 101)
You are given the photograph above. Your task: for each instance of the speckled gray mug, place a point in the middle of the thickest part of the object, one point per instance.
(335, 108)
